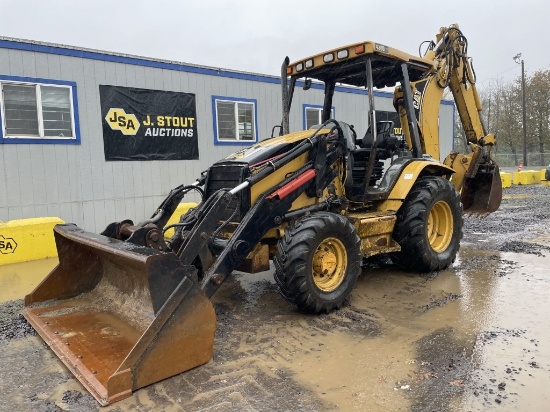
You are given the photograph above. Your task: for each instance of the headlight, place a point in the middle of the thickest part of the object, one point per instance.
(342, 54)
(327, 58)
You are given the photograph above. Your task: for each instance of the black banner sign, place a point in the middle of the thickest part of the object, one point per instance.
(142, 124)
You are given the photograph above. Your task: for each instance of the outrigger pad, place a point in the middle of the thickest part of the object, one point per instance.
(120, 316)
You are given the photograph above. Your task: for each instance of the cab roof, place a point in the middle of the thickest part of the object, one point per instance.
(347, 65)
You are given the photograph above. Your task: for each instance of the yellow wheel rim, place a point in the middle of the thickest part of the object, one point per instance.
(329, 264)
(440, 226)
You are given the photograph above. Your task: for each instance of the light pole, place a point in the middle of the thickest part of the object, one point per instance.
(518, 59)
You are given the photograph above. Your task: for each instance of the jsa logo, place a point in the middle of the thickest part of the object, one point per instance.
(127, 123)
(7, 245)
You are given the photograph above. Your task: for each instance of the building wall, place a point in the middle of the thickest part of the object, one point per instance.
(75, 182)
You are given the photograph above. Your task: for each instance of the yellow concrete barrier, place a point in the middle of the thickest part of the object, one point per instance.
(542, 174)
(181, 209)
(506, 179)
(535, 176)
(27, 239)
(527, 177)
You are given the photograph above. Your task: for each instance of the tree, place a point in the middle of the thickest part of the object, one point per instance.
(501, 116)
(538, 97)
(507, 123)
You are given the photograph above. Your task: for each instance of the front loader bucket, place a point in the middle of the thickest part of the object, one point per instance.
(120, 316)
(482, 194)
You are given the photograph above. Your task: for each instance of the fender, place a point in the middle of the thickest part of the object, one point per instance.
(408, 177)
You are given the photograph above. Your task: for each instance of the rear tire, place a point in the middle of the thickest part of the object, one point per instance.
(429, 226)
(318, 262)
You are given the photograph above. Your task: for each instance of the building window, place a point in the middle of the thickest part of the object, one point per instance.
(313, 115)
(38, 111)
(235, 120)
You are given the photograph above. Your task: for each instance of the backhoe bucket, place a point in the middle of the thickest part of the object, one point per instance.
(120, 316)
(482, 194)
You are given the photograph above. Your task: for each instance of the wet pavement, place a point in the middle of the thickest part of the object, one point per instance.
(18, 279)
(473, 337)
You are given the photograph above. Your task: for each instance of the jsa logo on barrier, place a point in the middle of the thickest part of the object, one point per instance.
(7, 245)
(127, 123)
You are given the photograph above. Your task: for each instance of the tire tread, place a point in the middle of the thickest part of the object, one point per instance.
(416, 254)
(292, 266)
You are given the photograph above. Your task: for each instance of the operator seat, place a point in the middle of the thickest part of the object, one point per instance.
(383, 130)
(360, 157)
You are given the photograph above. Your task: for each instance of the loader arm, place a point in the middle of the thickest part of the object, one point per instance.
(269, 210)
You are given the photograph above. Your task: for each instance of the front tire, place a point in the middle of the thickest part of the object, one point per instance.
(318, 262)
(429, 226)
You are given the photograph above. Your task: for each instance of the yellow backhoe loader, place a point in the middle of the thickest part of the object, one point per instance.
(127, 308)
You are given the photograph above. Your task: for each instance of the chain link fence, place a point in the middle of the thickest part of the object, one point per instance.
(534, 160)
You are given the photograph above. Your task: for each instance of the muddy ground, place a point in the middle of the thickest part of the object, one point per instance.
(474, 337)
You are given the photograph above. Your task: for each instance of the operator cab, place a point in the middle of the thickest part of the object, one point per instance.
(390, 147)
(370, 66)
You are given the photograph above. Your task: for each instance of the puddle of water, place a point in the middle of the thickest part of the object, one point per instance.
(377, 373)
(19, 279)
(361, 374)
(518, 320)
(345, 369)
(353, 374)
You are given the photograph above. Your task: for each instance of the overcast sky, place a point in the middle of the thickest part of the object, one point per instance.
(255, 36)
